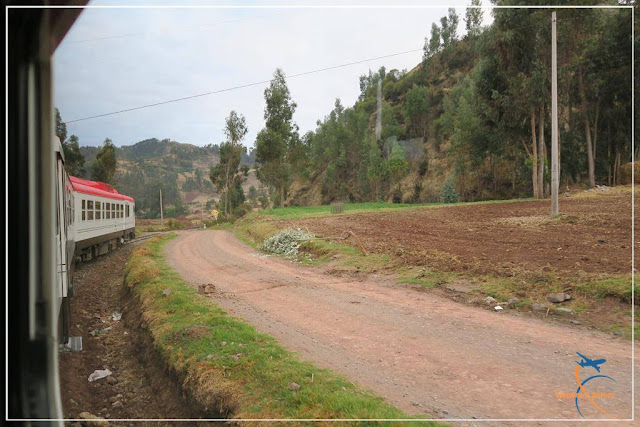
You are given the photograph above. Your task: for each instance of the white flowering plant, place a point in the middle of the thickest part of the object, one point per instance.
(286, 242)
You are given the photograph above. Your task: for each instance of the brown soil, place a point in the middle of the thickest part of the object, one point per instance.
(422, 352)
(593, 235)
(147, 390)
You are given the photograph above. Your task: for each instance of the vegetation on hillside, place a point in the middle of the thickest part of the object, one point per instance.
(476, 112)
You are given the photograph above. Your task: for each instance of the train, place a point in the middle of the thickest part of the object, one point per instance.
(92, 218)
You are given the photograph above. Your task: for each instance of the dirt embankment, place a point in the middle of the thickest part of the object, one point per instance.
(593, 235)
(140, 387)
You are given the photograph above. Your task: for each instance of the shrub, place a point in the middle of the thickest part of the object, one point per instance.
(449, 194)
(286, 242)
(175, 225)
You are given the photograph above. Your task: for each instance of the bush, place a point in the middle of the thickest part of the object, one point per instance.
(175, 225)
(286, 242)
(242, 210)
(449, 194)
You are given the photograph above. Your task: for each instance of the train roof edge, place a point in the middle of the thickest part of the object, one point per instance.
(97, 188)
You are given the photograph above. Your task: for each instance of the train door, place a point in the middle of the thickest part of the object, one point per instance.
(61, 250)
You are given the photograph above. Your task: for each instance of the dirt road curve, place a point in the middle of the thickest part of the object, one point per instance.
(422, 353)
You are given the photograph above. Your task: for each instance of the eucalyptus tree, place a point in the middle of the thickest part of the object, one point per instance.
(225, 174)
(280, 133)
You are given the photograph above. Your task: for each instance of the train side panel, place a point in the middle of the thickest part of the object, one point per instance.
(102, 223)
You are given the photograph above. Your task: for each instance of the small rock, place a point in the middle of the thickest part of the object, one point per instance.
(344, 388)
(497, 308)
(113, 399)
(415, 403)
(166, 292)
(73, 402)
(567, 297)
(512, 302)
(490, 300)
(564, 310)
(575, 322)
(538, 307)
(556, 298)
(206, 289)
(239, 355)
(117, 404)
(294, 386)
(92, 420)
(112, 380)
(209, 356)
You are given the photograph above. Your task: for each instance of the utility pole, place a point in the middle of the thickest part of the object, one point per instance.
(161, 217)
(379, 114)
(554, 119)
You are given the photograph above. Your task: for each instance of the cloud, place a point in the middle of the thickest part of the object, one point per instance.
(142, 56)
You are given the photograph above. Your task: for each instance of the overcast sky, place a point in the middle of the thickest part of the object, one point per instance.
(114, 59)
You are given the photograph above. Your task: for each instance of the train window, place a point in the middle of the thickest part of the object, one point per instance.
(127, 215)
(98, 210)
(89, 210)
(84, 210)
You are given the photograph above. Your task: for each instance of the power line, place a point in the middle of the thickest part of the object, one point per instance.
(305, 73)
(186, 29)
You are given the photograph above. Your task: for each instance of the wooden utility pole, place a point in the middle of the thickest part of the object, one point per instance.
(554, 119)
(161, 217)
(379, 113)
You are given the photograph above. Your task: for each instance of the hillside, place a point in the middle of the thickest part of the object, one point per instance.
(180, 170)
(475, 115)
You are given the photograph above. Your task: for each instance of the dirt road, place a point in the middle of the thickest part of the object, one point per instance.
(423, 353)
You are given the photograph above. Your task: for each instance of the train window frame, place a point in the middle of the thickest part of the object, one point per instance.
(90, 210)
(98, 214)
(84, 209)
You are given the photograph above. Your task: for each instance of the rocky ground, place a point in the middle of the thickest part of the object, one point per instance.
(138, 387)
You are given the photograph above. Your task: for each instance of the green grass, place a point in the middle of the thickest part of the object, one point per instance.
(425, 278)
(297, 212)
(619, 287)
(250, 375)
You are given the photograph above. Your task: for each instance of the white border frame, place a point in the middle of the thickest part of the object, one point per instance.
(474, 420)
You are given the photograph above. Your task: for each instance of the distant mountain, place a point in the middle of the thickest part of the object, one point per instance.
(180, 170)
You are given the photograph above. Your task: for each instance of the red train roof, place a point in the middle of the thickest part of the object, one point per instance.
(97, 188)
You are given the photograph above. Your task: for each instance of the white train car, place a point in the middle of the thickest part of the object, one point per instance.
(65, 248)
(104, 218)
